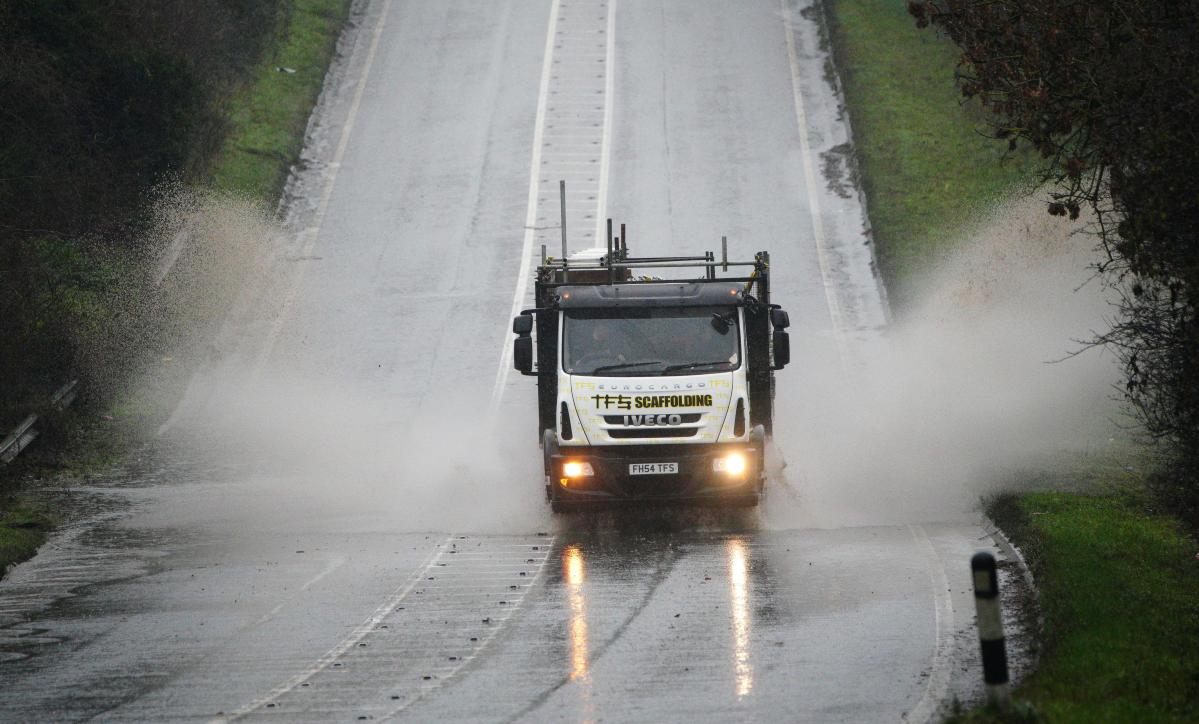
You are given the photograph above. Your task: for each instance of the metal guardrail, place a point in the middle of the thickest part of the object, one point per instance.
(25, 433)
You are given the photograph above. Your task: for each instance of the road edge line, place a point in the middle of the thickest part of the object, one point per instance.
(836, 317)
(522, 277)
(359, 633)
(491, 634)
(601, 206)
(312, 231)
(936, 688)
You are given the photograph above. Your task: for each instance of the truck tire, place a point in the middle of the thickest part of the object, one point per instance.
(761, 439)
(549, 448)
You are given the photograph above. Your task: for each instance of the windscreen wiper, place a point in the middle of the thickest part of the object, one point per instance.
(692, 365)
(622, 365)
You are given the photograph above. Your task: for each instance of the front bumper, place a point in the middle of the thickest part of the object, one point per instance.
(695, 479)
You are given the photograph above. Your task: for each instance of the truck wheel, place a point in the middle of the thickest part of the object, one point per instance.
(549, 448)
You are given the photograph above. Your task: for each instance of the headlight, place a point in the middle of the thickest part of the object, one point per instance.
(576, 469)
(731, 464)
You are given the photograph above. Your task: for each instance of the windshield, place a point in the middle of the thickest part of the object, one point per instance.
(650, 342)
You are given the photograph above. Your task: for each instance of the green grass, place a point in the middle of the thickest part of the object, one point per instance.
(1119, 585)
(268, 116)
(1119, 589)
(926, 167)
(270, 113)
(22, 530)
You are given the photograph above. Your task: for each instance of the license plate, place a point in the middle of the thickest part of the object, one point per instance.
(653, 468)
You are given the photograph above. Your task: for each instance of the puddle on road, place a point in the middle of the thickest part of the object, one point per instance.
(93, 545)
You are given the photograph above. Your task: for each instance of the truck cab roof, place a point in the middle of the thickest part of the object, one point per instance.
(655, 294)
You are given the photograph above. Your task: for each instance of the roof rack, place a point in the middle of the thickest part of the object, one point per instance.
(616, 265)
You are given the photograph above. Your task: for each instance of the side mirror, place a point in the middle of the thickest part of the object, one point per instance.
(522, 346)
(779, 319)
(782, 348)
(522, 354)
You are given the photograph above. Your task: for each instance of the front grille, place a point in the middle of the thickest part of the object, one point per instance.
(645, 433)
(691, 417)
(649, 452)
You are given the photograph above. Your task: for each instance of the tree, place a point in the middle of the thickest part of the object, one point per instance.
(100, 101)
(1107, 93)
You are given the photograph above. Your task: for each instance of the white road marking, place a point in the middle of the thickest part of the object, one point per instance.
(818, 237)
(447, 596)
(601, 214)
(571, 141)
(331, 566)
(937, 685)
(312, 233)
(359, 633)
(487, 638)
(526, 253)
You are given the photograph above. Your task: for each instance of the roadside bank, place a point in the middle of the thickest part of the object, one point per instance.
(23, 529)
(926, 170)
(1116, 575)
(103, 294)
(1119, 590)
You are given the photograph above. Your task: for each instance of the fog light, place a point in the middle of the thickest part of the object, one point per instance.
(731, 464)
(576, 469)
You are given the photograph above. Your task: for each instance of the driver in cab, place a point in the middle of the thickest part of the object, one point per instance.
(609, 343)
(604, 345)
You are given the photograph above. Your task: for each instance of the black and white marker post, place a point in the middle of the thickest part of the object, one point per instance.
(990, 629)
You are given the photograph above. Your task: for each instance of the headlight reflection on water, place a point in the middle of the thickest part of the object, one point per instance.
(575, 574)
(739, 595)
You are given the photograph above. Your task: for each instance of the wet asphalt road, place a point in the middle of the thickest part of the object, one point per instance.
(344, 520)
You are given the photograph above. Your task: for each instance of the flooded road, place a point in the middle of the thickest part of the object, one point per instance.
(345, 520)
(663, 615)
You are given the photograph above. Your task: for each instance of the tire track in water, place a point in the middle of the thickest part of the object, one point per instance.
(424, 635)
(659, 575)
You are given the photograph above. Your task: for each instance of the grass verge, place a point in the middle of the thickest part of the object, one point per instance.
(926, 168)
(1119, 584)
(1119, 590)
(269, 115)
(22, 530)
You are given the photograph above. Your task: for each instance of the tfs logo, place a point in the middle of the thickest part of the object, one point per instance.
(651, 420)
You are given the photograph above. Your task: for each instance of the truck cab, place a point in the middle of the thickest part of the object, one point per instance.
(650, 388)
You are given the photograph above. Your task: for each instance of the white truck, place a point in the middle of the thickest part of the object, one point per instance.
(649, 388)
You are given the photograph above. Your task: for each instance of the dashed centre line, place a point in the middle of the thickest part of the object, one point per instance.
(422, 636)
(571, 142)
